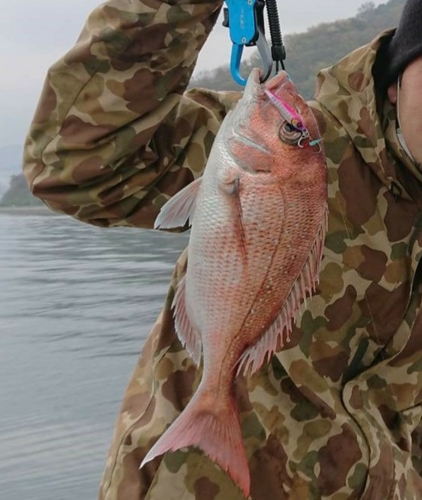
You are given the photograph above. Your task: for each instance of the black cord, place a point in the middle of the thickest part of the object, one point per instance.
(278, 50)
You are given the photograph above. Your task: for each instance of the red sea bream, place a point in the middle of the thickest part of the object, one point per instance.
(258, 217)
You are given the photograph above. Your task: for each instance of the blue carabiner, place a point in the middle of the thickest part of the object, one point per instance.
(245, 21)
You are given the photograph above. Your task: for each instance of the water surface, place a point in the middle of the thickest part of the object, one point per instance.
(76, 303)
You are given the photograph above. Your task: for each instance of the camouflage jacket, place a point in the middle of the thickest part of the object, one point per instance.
(336, 414)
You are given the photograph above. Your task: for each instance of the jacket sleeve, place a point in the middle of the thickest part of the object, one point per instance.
(115, 134)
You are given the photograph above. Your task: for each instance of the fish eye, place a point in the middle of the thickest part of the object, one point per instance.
(289, 134)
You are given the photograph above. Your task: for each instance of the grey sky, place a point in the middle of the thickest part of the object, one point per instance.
(34, 33)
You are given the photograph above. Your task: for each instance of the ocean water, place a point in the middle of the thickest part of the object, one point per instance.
(76, 304)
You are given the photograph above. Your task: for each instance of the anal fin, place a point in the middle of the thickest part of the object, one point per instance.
(189, 337)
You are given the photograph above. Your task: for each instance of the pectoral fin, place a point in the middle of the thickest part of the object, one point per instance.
(230, 185)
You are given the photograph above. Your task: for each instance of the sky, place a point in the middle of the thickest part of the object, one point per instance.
(35, 33)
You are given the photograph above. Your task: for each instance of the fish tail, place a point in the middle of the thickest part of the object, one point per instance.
(216, 433)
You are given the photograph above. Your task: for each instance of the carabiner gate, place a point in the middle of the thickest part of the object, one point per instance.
(245, 20)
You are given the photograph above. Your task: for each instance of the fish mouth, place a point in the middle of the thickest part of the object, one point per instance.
(253, 83)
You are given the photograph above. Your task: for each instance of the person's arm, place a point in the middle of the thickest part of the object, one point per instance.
(114, 134)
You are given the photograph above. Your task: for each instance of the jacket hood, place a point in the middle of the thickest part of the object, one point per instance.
(347, 91)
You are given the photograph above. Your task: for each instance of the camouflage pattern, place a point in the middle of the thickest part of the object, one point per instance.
(337, 413)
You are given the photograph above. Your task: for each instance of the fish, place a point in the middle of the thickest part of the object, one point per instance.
(258, 218)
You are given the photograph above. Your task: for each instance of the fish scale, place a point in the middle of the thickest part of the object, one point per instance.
(258, 217)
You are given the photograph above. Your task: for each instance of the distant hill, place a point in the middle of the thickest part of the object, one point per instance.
(10, 164)
(18, 194)
(307, 53)
(13, 188)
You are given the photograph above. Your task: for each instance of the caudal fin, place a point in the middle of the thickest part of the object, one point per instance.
(218, 436)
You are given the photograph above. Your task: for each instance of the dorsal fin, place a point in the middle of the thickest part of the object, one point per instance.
(279, 332)
(179, 209)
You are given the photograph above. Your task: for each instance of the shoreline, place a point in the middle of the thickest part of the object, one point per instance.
(34, 210)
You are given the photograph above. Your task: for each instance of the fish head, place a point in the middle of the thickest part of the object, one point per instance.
(273, 130)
